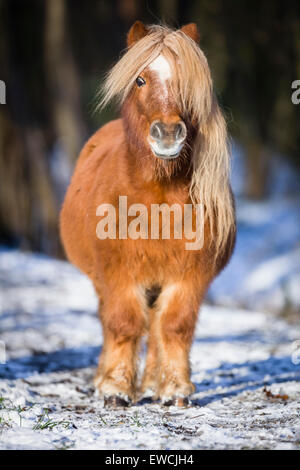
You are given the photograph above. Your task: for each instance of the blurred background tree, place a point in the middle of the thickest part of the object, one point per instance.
(54, 53)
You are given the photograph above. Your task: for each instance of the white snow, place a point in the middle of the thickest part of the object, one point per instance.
(49, 324)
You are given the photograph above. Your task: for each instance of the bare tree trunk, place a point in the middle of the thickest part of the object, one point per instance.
(28, 205)
(257, 166)
(128, 10)
(168, 11)
(63, 80)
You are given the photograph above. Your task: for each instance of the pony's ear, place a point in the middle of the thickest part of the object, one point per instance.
(191, 30)
(137, 31)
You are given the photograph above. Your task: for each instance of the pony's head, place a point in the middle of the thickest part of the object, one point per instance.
(171, 115)
(155, 80)
(153, 94)
(165, 129)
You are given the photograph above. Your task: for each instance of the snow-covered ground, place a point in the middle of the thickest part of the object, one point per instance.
(53, 337)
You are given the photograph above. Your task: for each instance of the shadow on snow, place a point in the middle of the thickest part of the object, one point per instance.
(245, 376)
(62, 360)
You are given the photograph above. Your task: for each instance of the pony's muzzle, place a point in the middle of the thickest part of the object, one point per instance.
(166, 140)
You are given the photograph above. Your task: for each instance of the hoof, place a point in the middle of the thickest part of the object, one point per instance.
(116, 401)
(180, 402)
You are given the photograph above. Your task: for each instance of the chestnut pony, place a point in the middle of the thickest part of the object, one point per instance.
(169, 147)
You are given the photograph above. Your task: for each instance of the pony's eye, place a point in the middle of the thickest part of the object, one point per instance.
(140, 82)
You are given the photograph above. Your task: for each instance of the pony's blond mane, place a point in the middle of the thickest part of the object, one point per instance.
(193, 91)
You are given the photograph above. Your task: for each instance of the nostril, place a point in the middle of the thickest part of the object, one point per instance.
(180, 131)
(155, 131)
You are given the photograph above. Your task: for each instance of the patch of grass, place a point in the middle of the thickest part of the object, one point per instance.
(44, 422)
(136, 420)
(4, 424)
(6, 405)
(103, 421)
(130, 420)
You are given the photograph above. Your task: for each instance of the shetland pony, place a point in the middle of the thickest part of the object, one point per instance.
(169, 147)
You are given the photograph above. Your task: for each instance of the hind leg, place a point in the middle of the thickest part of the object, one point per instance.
(123, 324)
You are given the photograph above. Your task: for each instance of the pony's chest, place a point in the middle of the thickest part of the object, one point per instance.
(152, 233)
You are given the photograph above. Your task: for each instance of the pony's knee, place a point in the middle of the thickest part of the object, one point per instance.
(124, 326)
(178, 327)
